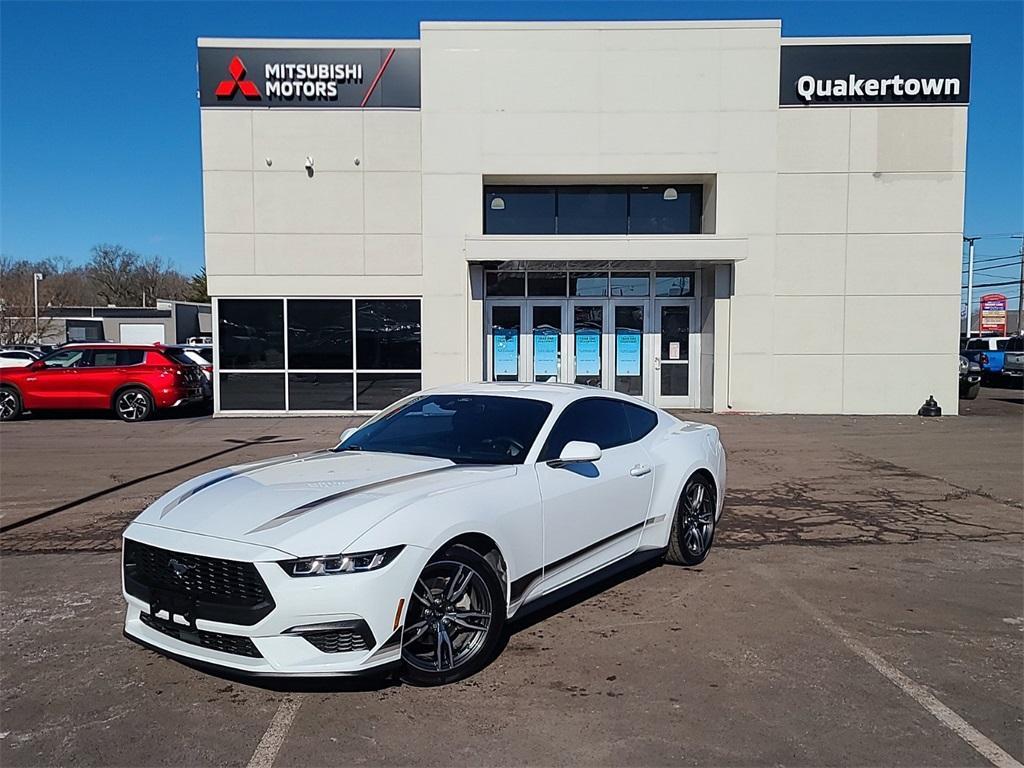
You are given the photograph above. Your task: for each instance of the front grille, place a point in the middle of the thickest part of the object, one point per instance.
(204, 578)
(239, 646)
(223, 590)
(338, 642)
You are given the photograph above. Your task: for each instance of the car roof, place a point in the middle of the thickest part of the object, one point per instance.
(103, 346)
(556, 394)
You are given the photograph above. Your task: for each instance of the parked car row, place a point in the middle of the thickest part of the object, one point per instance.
(998, 357)
(135, 381)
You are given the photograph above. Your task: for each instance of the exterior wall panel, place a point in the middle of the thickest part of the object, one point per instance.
(833, 231)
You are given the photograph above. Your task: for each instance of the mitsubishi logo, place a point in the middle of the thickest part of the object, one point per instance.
(227, 88)
(179, 569)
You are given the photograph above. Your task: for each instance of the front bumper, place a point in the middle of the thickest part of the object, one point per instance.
(273, 646)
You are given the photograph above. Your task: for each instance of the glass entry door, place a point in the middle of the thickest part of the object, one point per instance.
(588, 352)
(504, 332)
(546, 325)
(629, 355)
(675, 354)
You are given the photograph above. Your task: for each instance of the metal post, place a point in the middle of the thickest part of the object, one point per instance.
(1020, 290)
(36, 277)
(970, 283)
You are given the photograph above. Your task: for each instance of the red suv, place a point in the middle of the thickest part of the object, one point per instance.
(134, 381)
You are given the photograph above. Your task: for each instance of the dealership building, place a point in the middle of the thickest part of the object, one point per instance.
(703, 214)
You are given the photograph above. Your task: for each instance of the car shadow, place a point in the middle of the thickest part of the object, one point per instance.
(164, 414)
(235, 445)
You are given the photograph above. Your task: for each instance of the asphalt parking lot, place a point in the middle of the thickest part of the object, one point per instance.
(864, 605)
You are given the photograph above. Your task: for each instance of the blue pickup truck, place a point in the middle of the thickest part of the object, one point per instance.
(990, 353)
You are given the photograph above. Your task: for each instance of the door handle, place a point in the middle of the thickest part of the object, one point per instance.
(657, 363)
(640, 470)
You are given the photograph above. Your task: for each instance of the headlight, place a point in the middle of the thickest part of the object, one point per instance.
(326, 565)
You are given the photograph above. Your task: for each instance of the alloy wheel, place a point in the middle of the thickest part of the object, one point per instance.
(8, 404)
(133, 406)
(449, 615)
(698, 518)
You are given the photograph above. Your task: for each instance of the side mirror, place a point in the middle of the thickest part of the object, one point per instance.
(36, 365)
(577, 452)
(347, 434)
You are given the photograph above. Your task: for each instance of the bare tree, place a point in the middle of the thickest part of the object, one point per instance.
(17, 300)
(113, 269)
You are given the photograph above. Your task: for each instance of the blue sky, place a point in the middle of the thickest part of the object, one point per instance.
(99, 123)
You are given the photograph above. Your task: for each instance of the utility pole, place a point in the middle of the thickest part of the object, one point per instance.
(970, 283)
(1020, 289)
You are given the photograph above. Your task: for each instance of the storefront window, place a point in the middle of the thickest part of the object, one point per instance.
(665, 210)
(519, 211)
(320, 333)
(546, 284)
(252, 391)
(631, 284)
(320, 392)
(505, 283)
(671, 284)
(251, 333)
(592, 211)
(588, 284)
(315, 358)
(388, 334)
(376, 391)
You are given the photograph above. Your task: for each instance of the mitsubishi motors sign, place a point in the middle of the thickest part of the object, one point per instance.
(359, 78)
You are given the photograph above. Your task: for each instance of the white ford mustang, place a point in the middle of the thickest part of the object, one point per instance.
(413, 541)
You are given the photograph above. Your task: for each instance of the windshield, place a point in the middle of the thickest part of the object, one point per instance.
(467, 429)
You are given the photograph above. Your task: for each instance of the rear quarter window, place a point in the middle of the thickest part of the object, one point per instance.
(641, 420)
(177, 356)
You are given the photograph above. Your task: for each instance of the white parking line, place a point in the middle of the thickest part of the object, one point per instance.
(275, 734)
(981, 743)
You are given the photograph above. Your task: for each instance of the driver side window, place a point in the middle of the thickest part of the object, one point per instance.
(593, 421)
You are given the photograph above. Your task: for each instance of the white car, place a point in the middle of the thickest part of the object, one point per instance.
(16, 358)
(413, 541)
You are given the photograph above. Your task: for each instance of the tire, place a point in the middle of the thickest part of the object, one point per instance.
(10, 404)
(693, 528)
(971, 392)
(134, 404)
(457, 632)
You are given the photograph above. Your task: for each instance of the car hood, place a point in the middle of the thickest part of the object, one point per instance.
(307, 504)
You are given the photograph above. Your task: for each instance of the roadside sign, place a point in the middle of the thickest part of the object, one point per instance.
(992, 318)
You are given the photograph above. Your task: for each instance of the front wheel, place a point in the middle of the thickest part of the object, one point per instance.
(135, 404)
(455, 618)
(693, 529)
(10, 404)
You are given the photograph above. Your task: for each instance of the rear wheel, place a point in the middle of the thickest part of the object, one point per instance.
(10, 404)
(455, 618)
(134, 404)
(693, 529)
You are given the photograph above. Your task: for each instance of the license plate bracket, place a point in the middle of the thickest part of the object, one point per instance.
(175, 603)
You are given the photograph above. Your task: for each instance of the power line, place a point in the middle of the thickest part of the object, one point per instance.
(1013, 263)
(992, 257)
(992, 285)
